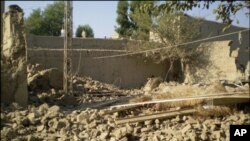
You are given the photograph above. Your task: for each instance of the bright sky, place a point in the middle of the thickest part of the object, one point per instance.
(101, 15)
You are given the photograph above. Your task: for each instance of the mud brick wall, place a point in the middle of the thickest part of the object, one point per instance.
(13, 59)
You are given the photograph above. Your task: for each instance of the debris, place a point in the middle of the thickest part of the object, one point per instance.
(46, 79)
(216, 100)
(154, 116)
(151, 84)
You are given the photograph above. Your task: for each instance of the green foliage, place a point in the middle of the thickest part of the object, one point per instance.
(172, 29)
(88, 31)
(134, 5)
(143, 19)
(53, 17)
(175, 29)
(225, 11)
(34, 23)
(48, 22)
(124, 24)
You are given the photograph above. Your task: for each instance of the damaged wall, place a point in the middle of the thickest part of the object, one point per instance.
(126, 72)
(133, 71)
(13, 59)
(214, 62)
(211, 28)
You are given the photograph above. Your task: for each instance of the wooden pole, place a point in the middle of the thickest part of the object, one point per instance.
(67, 74)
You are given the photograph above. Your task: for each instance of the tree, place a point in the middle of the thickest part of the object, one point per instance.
(53, 18)
(34, 23)
(88, 31)
(48, 22)
(172, 29)
(134, 6)
(122, 19)
(142, 20)
(225, 10)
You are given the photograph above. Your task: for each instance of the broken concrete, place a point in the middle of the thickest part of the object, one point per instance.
(13, 60)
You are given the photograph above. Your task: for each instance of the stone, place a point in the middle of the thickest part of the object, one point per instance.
(120, 132)
(148, 122)
(43, 109)
(178, 136)
(31, 138)
(130, 129)
(103, 127)
(193, 136)
(218, 134)
(92, 124)
(203, 136)
(31, 117)
(40, 128)
(145, 129)
(113, 139)
(53, 111)
(124, 139)
(157, 121)
(186, 128)
(191, 121)
(7, 133)
(82, 118)
(104, 135)
(137, 130)
(213, 127)
(156, 138)
(93, 116)
(177, 119)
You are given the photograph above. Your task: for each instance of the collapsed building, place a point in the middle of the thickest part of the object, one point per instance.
(161, 111)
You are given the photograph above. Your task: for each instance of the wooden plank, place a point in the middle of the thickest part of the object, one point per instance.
(154, 116)
(187, 99)
(230, 100)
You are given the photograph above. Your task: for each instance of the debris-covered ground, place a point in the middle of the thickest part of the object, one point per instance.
(86, 114)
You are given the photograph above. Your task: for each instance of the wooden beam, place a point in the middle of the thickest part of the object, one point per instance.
(203, 97)
(154, 116)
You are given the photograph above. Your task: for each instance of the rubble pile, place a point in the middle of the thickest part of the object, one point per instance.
(45, 85)
(154, 90)
(46, 122)
(54, 115)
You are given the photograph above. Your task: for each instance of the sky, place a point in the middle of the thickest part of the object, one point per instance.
(101, 15)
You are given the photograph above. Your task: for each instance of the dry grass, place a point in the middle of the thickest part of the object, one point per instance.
(166, 91)
(183, 104)
(216, 87)
(141, 99)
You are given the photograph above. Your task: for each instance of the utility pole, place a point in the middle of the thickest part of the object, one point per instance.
(67, 72)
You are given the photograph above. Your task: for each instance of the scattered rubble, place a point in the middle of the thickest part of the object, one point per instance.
(37, 123)
(53, 115)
